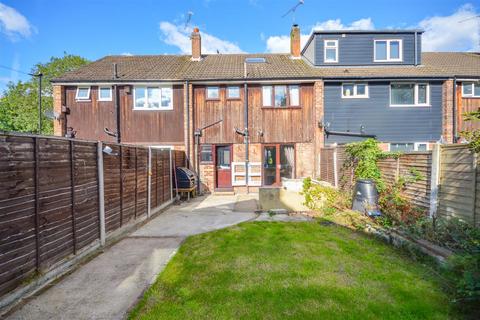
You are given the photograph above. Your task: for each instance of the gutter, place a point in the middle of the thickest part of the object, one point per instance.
(117, 104)
(245, 121)
(348, 134)
(187, 110)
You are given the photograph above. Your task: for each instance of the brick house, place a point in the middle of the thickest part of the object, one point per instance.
(251, 120)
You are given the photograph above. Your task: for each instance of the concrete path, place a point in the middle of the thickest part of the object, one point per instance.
(109, 285)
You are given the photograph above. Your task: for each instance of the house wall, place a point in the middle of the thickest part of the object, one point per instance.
(465, 105)
(389, 124)
(358, 48)
(89, 118)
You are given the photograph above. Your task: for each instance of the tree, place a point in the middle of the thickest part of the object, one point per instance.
(19, 104)
(473, 137)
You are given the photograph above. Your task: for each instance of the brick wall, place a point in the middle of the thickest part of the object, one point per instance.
(318, 89)
(305, 153)
(447, 111)
(58, 101)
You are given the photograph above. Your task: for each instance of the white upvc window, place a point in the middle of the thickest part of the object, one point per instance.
(213, 93)
(408, 146)
(233, 92)
(354, 90)
(267, 96)
(404, 94)
(421, 146)
(83, 94)
(153, 98)
(471, 89)
(104, 93)
(388, 50)
(330, 51)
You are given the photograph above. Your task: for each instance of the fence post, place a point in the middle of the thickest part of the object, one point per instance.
(170, 174)
(435, 179)
(101, 193)
(335, 169)
(149, 182)
(474, 188)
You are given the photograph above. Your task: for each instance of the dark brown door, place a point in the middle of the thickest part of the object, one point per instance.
(278, 163)
(223, 165)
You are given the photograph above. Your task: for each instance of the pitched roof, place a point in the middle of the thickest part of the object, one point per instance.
(277, 66)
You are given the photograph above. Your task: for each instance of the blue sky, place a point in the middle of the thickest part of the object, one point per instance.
(32, 31)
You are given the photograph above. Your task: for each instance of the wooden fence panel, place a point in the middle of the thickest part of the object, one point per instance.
(142, 180)
(326, 165)
(457, 188)
(111, 168)
(128, 184)
(17, 211)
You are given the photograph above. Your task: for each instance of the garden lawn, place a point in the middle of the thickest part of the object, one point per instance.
(273, 270)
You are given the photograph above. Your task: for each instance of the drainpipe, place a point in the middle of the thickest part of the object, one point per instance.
(245, 104)
(415, 46)
(454, 113)
(117, 103)
(187, 103)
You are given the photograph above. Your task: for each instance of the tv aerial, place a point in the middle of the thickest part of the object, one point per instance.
(188, 19)
(478, 24)
(293, 9)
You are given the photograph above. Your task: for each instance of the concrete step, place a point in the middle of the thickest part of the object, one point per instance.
(224, 193)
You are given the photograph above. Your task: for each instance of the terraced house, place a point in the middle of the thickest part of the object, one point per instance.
(251, 120)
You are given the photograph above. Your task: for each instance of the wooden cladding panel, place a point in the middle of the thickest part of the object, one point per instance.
(159, 127)
(89, 118)
(278, 125)
(466, 105)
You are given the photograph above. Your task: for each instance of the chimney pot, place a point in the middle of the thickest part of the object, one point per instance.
(196, 45)
(295, 42)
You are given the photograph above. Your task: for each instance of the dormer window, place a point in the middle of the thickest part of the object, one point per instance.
(330, 51)
(388, 50)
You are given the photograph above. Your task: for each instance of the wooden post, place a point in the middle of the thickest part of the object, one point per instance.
(136, 181)
(435, 179)
(121, 186)
(149, 183)
(170, 174)
(36, 151)
(335, 169)
(72, 188)
(101, 193)
(474, 188)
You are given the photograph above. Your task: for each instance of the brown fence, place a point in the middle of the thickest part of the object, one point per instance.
(450, 184)
(50, 199)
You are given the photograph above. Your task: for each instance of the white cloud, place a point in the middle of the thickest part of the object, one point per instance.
(448, 33)
(179, 36)
(13, 23)
(282, 43)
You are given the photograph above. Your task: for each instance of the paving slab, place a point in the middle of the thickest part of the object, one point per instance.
(110, 284)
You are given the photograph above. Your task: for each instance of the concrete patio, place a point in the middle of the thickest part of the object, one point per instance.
(110, 284)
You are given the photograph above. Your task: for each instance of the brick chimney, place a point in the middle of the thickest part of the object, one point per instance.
(295, 42)
(196, 45)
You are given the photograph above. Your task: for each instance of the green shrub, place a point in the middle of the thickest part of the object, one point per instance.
(323, 198)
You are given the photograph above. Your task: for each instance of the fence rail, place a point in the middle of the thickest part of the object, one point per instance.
(456, 192)
(53, 198)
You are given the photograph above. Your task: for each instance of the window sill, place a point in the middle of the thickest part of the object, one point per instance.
(330, 61)
(410, 105)
(83, 100)
(470, 97)
(356, 97)
(150, 109)
(387, 61)
(282, 108)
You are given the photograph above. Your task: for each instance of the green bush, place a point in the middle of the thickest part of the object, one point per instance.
(323, 198)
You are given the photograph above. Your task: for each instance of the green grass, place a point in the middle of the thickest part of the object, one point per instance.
(267, 270)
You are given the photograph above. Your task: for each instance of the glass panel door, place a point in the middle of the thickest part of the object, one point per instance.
(287, 161)
(270, 165)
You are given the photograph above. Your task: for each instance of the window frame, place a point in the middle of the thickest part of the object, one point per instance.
(388, 53)
(415, 95)
(228, 95)
(105, 99)
(415, 146)
(325, 47)
(88, 98)
(206, 93)
(272, 96)
(472, 85)
(211, 153)
(146, 86)
(355, 95)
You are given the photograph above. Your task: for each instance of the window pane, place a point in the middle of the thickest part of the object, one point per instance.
(233, 92)
(267, 95)
(381, 50)
(422, 93)
(206, 153)
(467, 88)
(330, 43)
(402, 94)
(422, 147)
(294, 95)
(105, 93)
(287, 161)
(476, 91)
(212, 93)
(280, 96)
(403, 147)
(394, 50)
(330, 54)
(153, 95)
(82, 93)
(167, 94)
(361, 89)
(348, 90)
(140, 97)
